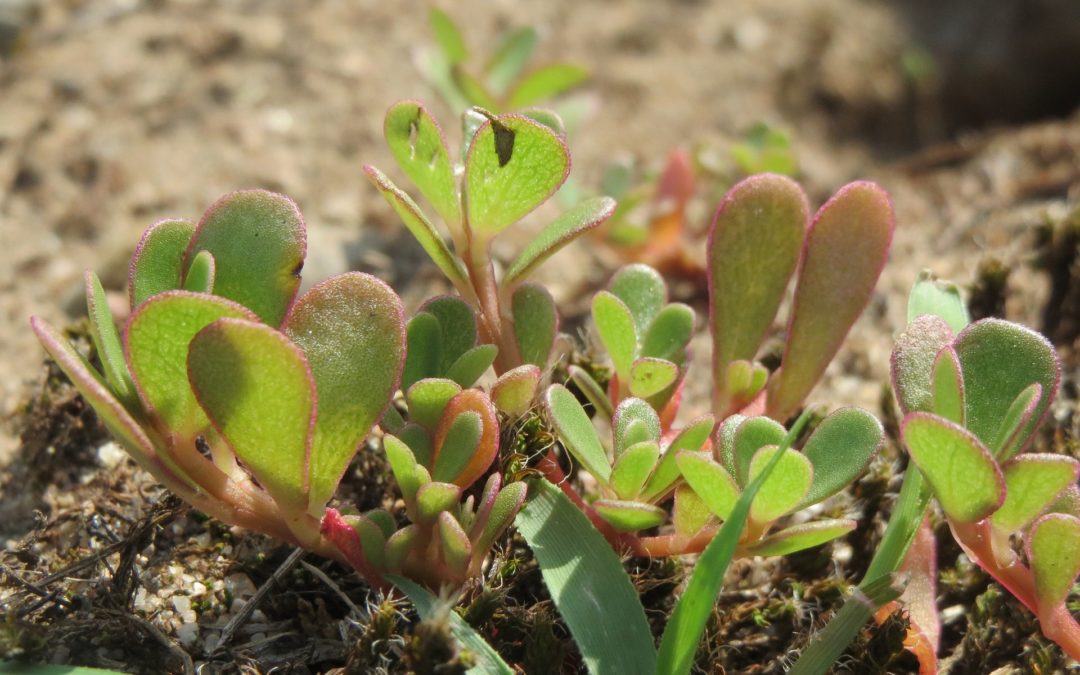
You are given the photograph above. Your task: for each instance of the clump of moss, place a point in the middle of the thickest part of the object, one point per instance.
(987, 293)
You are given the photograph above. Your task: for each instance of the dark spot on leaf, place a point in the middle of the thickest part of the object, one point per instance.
(299, 268)
(203, 447)
(504, 142)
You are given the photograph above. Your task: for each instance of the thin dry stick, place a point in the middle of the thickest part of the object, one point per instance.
(249, 607)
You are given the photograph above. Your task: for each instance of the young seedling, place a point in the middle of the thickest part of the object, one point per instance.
(513, 163)
(244, 400)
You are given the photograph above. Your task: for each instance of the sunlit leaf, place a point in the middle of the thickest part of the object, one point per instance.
(107, 343)
(477, 462)
(801, 537)
(912, 362)
(689, 514)
(157, 264)
(536, 323)
(632, 468)
(458, 324)
(1032, 483)
(939, 298)
(627, 516)
(786, 487)
(615, 326)
(712, 483)
(692, 437)
(948, 386)
(669, 333)
(840, 449)
(418, 145)
(434, 498)
(642, 290)
(1053, 547)
(564, 229)
(472, 364)
(634, 421)
(576, 431)
(515, 390)
(424, 349)
(200, 274)
(750, 436)
(428, 398)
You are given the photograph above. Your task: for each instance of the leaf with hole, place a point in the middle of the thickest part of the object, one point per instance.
(418, 145)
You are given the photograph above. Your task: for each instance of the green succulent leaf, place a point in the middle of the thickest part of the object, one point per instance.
(840, 449)
(912, 362)
(420, 227)
(642, 290)
(514, 164)
(786, 487)
(107, 343)
(692, 438)
(419, 441)
(472, 364)
(712, 483)
(451, 460)
(802, 537)
(350, 328)
(649, 377)
(424, 351)
(257, 388)
(592, 391)
(1000, 360)
(515, 390)
(398, 547)
(428, 398)
(750, 436)
(462, 439)
(1010, 434)
(690, 513)
(510, 57)
(948, 386)
(200, 274)
(503, 509)
(963, 475)
(669, 333)
(627, 516)
(744, 381)
(550, 119)
(372, 539)
(576, 431)
(724, 443)
(1032, 483)
(156, 347)
(404, 466)
(536, 323)
(546, 82)
(458, 324)
(455, 544)
(418, 145)
(448, 36)
(615, 326)
(939, 298)
(1053, 547)
(754, 245)
(434, 498)
(157, 264)
(258, 240)
(846, 247)
(563, 230)
(633, 467)
(634, 421)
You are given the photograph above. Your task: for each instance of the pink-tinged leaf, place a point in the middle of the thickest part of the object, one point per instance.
(1053, 549)
(418, 145)
(629, 516)
(372, 539)
(912, 362)
(840, 449)
(258, 240)
(503, 509)
(1010, 434)
(455, 545)
(965, 478)
(536, 323)
(802, 537)
(744, 382)
(157, 264)
(846, 248)
(257, 388)
(107, 342)
(514, 164)
(948, 385)
(351, 330)
(753, 249)
(485, 505)
(1000, 360)
(515, 390)
(427, 400)
(560, 232)
(693, 438)
(156, 346)
(118, 420)
(471, 400)
(201, 273)
(576, 431)
(920, 600)
(457, 447)
(345, 538)
(434, 498)
(1033, 482)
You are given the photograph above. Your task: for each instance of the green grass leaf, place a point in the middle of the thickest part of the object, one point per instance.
(258, 240)
(156, 265)
(560, 232)
(588, 584)
(418, 145)
(514, 164)
(576, 431)
(536, 323)
(546, 82)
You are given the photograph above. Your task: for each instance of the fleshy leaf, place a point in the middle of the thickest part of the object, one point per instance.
(633, 467)
(966, 481)
(510, 57)
(428, 398)
(629, 516)
(472, 364)
(754, 245)
(399, 545)
(912, 362)
(786, 487)
(156, 347)
(372, 539)
(840, 449)
(576, 431)
(419, 226)
(642, 290)
(999, 360)
(419, 441)
(690, 513)
(156, 265)
(515, 390)
(634, 421)
(404, 466)
(448, 36)
(1053, 547)
(750, 436)
(615, 326)
(846, 247)
(424, 352)
(546, 82)
(505, 506)
(724, 442)
(669, 333)
(801, 537)
(350, 328)
(710, 481)
(257, 388)
(456, 547)
(693, 437)
(1010, 433)
(948, 386)
(477, 462)
(418, 145)
(592, 391)
(745, 380)
(458, 447)
(200, 274)
(939, 298)
(434, 498)
(1032, 483)
(107, 342)
(258, 240)
(564, 229)
(514, 164)
(649, 376)
(458, 324)
(536, 323)
(343, 535)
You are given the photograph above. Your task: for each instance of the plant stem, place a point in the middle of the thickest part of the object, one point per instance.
(482, 275)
